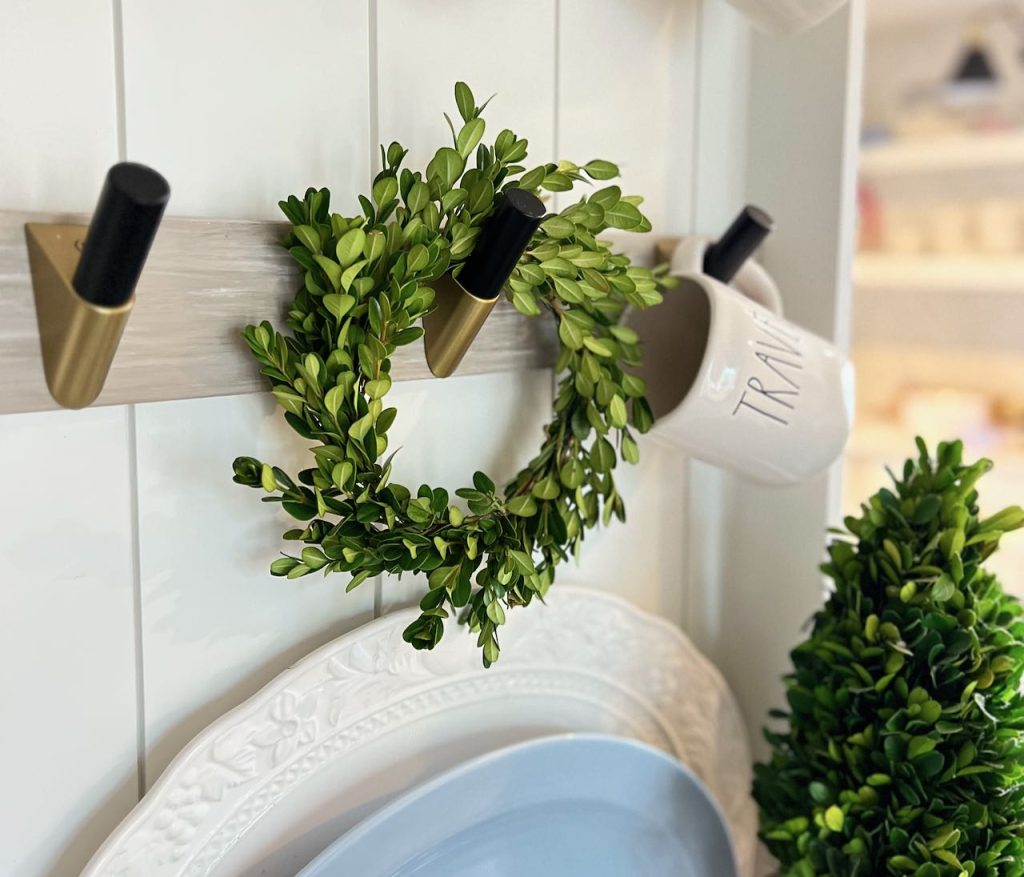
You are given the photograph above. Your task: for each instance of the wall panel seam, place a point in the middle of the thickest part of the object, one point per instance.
(136, 561)
(120, 115)
(117, 15)
(373, 106)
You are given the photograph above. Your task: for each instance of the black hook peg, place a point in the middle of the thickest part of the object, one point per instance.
(121, 232)
(726, 256)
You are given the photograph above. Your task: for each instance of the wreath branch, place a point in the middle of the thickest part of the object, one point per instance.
(366, 286)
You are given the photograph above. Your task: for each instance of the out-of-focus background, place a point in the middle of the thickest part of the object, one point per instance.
(938, 329)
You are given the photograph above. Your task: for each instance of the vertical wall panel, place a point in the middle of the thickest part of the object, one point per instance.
(627, 93)
(771, 540)
(67, 663)
(216, 625)
(448, 429)
(720, 189)
(504, 49)
(58, 131)
(241, 103)
(268, 102)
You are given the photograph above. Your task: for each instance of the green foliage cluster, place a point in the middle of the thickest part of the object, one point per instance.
(904, 751)
(367, 284)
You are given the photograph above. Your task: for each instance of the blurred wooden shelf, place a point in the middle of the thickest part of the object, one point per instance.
(969, 274)
(955, 153)
(949, 305)
(901, 13)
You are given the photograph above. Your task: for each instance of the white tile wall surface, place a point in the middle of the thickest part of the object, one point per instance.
(58, 106)
(67, 662)
(216, 626)
(123, 525)
(240, 103)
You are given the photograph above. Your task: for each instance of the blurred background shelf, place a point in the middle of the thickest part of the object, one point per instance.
(993, 151)
(969, 275)
(900, 13)
(954, 153)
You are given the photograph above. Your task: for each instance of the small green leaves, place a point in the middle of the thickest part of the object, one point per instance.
(366, 283)
(906, 726)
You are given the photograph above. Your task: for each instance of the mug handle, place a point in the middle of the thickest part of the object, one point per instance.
(752, 280)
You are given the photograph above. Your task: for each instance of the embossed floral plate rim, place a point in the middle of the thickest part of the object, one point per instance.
(584, 645)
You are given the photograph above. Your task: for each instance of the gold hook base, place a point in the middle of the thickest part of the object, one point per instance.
(78, 338)
(450, 328)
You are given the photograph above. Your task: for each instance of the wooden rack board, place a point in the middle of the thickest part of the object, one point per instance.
(204, 281)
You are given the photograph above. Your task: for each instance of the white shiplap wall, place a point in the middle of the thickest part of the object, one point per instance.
(135, 605)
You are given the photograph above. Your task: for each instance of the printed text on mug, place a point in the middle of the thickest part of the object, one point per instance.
(774, 392)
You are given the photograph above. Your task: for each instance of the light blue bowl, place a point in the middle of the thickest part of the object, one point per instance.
(555, 807)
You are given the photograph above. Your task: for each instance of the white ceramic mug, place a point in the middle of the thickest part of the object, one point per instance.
(787, 16)
(734, 383)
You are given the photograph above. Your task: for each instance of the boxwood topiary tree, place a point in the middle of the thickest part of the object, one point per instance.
(904, 751)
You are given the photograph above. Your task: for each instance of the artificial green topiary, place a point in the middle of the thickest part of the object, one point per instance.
(904, 752)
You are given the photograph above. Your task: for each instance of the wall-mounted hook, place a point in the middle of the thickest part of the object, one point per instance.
(462, 305)
(84, 291)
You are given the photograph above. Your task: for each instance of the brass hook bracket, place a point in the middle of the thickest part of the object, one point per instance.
(78, 338)
(449, 329)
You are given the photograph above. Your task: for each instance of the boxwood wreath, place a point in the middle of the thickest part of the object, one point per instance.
(903, 751)
(366, 287)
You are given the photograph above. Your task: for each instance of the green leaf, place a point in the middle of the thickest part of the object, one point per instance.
(617, 412)
(569, 334)
(384, 191)
(602, 456)
(289, 400)
(350, 274)
(419, 197)
(469, 137)
(464, 101)
(361, 427)
(630, 450)
(623, 215)
(834, 818)
(310, 238)
(547, 488)
(375, 245)
(600, 346)
(601, 170)
(350, 246)
(446, 166)
(282, 566)
(480, 196)
(607, 197)
(523, 506)
(558, 227)
(267, 479)
(338, 305)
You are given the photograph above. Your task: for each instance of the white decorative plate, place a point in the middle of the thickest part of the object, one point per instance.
(270, 784)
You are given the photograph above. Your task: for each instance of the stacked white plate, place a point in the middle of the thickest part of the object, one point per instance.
(361, 721)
